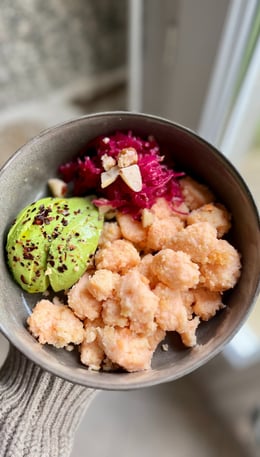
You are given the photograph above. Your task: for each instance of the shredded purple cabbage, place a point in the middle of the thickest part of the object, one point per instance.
(158, 180)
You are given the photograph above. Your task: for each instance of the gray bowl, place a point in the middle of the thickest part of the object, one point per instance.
(23, 180)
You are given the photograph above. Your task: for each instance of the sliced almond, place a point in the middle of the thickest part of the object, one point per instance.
(57, 187)
(132, 177)
(108, 177)
(108, 162)
(127, 157)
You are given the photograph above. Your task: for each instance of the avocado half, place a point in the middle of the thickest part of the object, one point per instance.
(51, 242)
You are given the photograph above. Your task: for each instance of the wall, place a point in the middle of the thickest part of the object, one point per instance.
(47, 45)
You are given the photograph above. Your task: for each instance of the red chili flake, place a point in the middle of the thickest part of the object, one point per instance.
(64, 222)
(38, 220)
(62, 268)
(28, 256)
(30, 248)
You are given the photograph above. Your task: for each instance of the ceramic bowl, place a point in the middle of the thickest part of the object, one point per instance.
(23, 180)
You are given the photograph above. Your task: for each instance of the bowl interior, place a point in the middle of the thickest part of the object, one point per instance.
(23, 180)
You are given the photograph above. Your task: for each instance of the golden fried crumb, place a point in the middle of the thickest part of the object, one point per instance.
(206, 303)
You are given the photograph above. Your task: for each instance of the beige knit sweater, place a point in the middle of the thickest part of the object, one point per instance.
(39, 412)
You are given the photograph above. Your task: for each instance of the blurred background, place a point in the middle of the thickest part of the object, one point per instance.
(198, 64)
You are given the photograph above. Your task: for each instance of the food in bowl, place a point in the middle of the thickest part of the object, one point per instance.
(161, 262)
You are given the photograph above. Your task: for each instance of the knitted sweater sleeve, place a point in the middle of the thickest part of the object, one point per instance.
(39, 412)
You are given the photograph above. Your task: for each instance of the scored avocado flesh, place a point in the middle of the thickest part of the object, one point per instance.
(51, 242)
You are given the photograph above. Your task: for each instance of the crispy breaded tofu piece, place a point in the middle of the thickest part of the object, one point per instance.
(215, 214)
(196, 240)
(156, 338)
(110, 232)
(82, 302)
(55, 324)
(161, 232)
(145, 268)
(171, 314)
(138, 303)
(102, 284)
(175, 269)
(118, 256)
(162, 209)
(182, 211)
(188, 300)
(222, 270)
(195, 194)
(91, 352)
(111, 313)
(174, 314)
(125, 348)
(206, 303)
(132, 229)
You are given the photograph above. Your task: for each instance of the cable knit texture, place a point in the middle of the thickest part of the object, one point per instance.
(39, 412)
